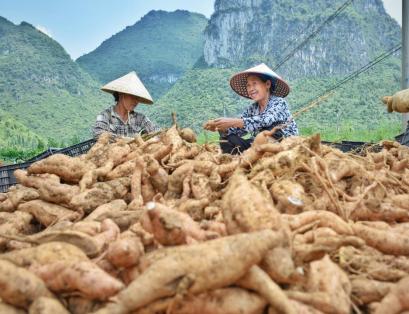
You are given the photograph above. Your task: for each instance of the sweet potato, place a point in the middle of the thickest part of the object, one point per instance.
(48, 213)
(397, 299)
(125, 251)
(109, 233)
(195, 208)
(329, 288)
(171, 227)
(191, 266)
(44, 254)
(44, 305)
(83, 276)
(172, 137)
(220, 301)
(69, 169)
(9, 309)
(19, 286)
(373, 264)
(92, 175)
(12, 224)
(367, 291)
(101, 193)
(257, 280)
(246, 209)
(323, 219)
(175, 183)
(288, 196)
(103, 211)
(188, 135)
(123, 219)
(158, 176)
(200, 185)
(279, 265)
(122, 170)
(383, 240)
(81, 305)
(17, 195)
(90, 246)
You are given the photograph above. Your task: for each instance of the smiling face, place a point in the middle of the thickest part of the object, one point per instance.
(257, 89)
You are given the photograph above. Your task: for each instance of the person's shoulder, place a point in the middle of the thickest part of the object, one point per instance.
(104, 114)
(276, 100)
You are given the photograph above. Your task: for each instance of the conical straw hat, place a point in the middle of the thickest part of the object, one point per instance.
(129, 84)
(239, 81)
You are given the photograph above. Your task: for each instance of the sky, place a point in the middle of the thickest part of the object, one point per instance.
(80, 26)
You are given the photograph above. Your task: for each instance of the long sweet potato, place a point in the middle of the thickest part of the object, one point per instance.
(220, 301)
(397, 300)
(19, 286)
(198, 268)
(83, 276)
(44, 305)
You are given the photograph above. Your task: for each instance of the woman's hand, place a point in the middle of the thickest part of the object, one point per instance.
(222, 124)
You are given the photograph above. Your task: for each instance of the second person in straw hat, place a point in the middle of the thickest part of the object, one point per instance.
(270, 109)
(121, 119)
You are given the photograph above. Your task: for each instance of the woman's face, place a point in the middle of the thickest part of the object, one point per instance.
(257, 89)
(128, 101)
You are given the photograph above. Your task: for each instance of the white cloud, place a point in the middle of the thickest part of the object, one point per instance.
(44, 30)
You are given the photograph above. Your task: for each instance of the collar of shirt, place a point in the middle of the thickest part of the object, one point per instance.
(116, 115)
(256, 109)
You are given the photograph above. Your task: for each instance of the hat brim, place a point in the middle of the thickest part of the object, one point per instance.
(238, 83)
(140, 99)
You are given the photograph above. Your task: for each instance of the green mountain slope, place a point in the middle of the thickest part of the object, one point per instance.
(160, 48)
(42, 88)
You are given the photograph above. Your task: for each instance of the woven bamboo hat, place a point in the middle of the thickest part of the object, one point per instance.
(238, 82)
(129, 84)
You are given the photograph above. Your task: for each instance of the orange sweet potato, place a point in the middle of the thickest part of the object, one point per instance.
(19, 286)
(44, 305)
(83, 276)
(191, 266)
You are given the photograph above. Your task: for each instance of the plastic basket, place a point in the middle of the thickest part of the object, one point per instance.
(77, 149)
(44, 154)
(7, 178)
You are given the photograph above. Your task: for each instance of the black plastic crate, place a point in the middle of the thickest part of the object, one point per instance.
(77, 149)
(403, 138)
(7, 178)
(354, 147)
(44, 154)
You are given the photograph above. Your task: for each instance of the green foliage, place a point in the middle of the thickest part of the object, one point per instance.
(160, 48)
(42, 88)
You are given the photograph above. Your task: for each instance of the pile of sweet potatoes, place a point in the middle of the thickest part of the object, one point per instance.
(161, 224)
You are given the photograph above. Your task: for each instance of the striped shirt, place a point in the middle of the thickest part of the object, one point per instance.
(109, 121)
(275, 113)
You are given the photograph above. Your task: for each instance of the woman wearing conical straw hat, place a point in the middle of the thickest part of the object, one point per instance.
(121, 119)
(270, 109)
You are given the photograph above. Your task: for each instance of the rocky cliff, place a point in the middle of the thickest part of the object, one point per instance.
(245, 32)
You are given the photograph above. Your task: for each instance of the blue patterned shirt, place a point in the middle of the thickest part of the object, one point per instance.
(275, 113)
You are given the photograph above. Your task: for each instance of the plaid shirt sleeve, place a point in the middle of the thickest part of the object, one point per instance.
(101, 125)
